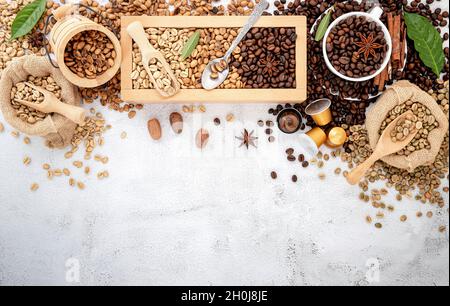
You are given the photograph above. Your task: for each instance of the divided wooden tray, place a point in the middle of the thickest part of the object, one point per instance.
(293, 95)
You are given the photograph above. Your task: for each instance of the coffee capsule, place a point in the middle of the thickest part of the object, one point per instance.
(336, 137)
(320, 111)
(289, 121)
(318, 136)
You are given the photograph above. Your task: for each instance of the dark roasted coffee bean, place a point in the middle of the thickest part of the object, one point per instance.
(291, 158)
(301, 158)
(273, 175)
(290, 151)
(305, 164)
(294, 178)
(217, 121)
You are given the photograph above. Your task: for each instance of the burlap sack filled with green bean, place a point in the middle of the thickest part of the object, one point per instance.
(429, 120)
(56, 129)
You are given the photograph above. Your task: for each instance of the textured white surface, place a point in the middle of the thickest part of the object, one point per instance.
(169, 215)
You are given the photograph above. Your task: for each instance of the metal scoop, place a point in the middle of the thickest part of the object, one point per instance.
(136, 31)
(209, 83)
(384, 148)
(52, 104)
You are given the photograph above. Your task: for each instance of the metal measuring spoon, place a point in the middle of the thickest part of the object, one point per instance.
(207, 82)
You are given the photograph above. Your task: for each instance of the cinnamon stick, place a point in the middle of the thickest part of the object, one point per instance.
(396, 39)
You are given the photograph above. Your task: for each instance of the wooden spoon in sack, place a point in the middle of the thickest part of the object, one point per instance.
(52, 104)
(384, 148)
(137, 33)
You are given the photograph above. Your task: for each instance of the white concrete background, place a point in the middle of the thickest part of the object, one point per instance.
(169, 215)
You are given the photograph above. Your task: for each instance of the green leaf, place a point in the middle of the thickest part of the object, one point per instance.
(27, 18)
(190, 45)
(427, 41)
(323, 26)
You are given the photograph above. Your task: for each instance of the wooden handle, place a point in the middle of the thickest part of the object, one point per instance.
(71, 112)
(136, 31)
(358, 173)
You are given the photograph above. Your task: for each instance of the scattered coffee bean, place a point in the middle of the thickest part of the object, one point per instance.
(273, 175)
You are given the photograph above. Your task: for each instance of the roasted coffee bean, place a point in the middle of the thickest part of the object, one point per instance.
(294, 178)
(291, 158)
(301, 158)
(305, 164)
(356, 47)
(268, 59)
(290, 151)
(273, 175)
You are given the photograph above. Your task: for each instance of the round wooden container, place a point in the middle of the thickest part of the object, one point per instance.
(60, 35)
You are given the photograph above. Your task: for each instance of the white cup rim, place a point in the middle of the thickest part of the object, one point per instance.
(386, 35)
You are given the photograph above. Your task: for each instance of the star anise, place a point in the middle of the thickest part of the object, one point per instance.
(367, 46)
(247, 139)
(36, 40)
(269, 65)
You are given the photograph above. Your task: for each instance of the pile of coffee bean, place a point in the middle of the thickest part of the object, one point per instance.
(267, 58)
(89, 54)
(357, 47)
(424, 121)
(404, 127)
(324, 84)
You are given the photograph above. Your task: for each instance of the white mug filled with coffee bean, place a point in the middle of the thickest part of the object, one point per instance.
(357, 46)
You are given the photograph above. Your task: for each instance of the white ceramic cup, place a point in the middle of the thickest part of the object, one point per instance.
(374, 15)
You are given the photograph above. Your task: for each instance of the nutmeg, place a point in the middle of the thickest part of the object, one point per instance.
(176, 122)
(154, 128)
(202, 138)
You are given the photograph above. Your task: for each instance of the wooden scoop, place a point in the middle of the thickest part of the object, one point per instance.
(52, 104)
(384, 148)
(136, 31)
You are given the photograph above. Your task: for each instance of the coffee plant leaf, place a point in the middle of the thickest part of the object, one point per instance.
(427, 41)
(27, 18)
(323, 26)
(190, 45)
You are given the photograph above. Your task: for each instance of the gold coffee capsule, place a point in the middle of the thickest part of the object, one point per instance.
(320, 111)
(336, 137)
(318, 136)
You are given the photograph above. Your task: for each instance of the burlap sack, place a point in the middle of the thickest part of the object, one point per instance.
(398, 93)
(56, 129)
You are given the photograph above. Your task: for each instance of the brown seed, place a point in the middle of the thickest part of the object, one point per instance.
(72, 182)
(131, 114)
(34, 187)
(176, 122)
(202, 138)
(46, 166)
(66, 172)
(442, 228)
(154, 129)
(230, 117)
(274, 175)
(403, 218)
(305, 164)
(369, 219)
(290, 151)
(294, 178)
(26, 140)
(419, 214)
(217, 121)
(78, 164)
(291, 158)
(123, 135)
(81, 185)
(429, 214)
(26, 161)
(378, 225)
(322, 176)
